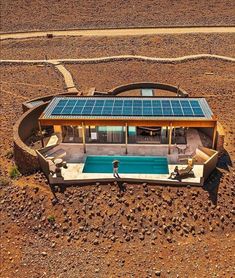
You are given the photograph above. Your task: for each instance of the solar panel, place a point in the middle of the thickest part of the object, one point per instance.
(187, 111)
(175, 103)
(81, 102)
(166, 103)
(129, 107)
(198, 111)
(185, 103)
(62, 102)
(71, 102)
(118, 102)
(167, 111)
(177, 111)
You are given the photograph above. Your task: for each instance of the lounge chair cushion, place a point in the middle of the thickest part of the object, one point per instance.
(185, 171)
(55, 154)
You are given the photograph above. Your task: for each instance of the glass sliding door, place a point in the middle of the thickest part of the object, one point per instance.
(105, 134)
(111, 134)
(71, 134)
(132, 134)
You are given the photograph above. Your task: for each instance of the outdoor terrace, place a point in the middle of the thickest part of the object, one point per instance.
(75, 158)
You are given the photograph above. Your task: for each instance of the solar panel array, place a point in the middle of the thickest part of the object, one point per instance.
(128, 107)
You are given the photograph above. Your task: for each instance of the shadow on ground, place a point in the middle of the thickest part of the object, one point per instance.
(213, 182)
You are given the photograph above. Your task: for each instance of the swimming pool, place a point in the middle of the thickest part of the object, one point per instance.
(127, 165)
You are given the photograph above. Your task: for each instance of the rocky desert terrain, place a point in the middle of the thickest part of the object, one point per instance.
(22, 15)
(116, 229)
(167, 45)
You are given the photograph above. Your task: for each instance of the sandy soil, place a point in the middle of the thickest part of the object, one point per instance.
(100, 231)
(18, 84)
(87, 47)
(40, 15)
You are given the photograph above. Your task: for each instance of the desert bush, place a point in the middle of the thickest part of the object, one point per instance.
(9, 154)
(14, 172)
(51, 218)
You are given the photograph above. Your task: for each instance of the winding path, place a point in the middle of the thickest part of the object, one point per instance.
(68, 79)
(181, 59)
(117, 32)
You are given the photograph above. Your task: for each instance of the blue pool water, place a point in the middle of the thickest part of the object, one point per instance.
(127, 165)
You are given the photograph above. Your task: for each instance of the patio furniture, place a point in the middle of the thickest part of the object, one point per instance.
(58, 162)
(55, 167)
(181, 148)
(64, 164)
(185, 172)
(54, 139)
(53, 154)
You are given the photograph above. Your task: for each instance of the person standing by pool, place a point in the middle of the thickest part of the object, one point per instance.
(115, 168)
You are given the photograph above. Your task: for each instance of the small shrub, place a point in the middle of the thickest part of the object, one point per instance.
(4, 181)
(14, 172)
(9, 154)
(51, 218)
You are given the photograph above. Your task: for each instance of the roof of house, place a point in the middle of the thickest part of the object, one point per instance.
(125, 108)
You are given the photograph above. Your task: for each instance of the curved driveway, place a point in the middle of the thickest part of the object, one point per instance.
(118, 32)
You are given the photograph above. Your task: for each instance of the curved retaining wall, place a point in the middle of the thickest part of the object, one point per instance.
(151, 85)
(26, 158)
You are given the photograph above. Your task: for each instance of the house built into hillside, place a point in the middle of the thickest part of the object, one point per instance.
(128, 120)
(150, 127)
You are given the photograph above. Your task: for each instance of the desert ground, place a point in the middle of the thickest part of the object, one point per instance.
(98, 231)
(117, 229)
(89, 47)
(22, 15)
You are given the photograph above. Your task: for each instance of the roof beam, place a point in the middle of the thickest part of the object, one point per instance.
(130, 122)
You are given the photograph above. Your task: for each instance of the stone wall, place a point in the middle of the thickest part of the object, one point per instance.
(26, 158)
(152, 85)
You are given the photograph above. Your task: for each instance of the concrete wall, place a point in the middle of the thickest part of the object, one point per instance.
(220, 138)
(209, 165)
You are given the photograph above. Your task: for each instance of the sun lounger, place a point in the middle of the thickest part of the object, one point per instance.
(51, 155)
(186, 172)
(183, 173)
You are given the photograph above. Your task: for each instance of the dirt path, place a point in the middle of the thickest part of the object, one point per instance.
(68, 79)
(118, 32)
(119, 58)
